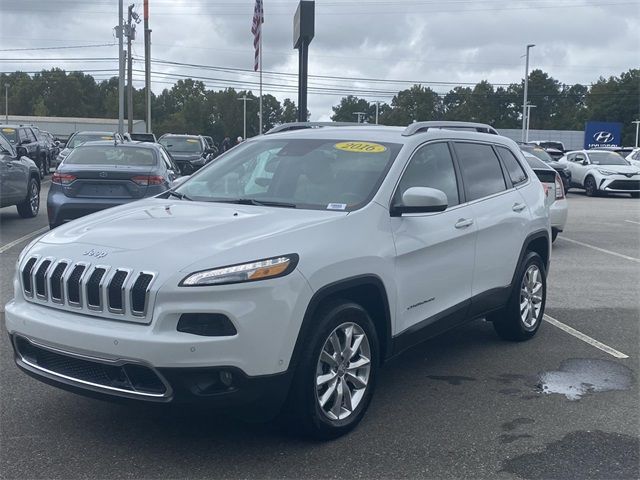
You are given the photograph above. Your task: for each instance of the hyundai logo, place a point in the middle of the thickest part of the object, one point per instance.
(603, 137)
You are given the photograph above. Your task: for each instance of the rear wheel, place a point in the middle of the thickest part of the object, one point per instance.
(590, 187)
(30, 206)
(522, 316)
(336, 376)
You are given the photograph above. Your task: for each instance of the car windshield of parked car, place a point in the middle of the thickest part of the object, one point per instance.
(606, 158)
(81, 138)
(11, 134)
(318, 174)
(111, 155)
(182, 144)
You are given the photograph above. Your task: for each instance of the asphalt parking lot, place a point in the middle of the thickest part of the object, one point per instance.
(464, 405)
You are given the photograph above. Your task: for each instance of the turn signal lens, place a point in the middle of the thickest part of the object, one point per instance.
(146, 180)
(246, 272)
(62, 178)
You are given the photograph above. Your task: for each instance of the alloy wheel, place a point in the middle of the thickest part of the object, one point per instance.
(531, 292)
(343, 371)
(34, 198)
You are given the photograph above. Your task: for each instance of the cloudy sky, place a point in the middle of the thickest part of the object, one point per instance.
(377, 47)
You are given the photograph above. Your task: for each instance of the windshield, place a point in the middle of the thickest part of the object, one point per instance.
(11, 134)
(81, 138)
(541, 154)
(111, 155)
(303, 173)
(182, 144)
(606, 158)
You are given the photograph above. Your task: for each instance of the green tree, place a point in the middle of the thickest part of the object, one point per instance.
(417, 103)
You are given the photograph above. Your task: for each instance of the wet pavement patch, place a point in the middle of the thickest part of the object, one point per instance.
(580, 376)
(451, 379)
(580, 455)
(515, 423)
(507, 438)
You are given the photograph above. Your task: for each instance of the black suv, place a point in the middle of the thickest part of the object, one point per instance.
(189, 152)
(34, 143)
(19, 180)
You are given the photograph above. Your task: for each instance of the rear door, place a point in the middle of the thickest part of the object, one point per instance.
(501, 216)
(13, 178)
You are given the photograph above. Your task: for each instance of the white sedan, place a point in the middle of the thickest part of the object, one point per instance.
(601, 171)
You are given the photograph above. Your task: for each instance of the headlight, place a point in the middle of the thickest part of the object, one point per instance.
(606, 172)
(245, 272)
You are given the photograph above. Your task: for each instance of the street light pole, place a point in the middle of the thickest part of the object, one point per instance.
(6, 107)
(120, 68)
(526, 91)
(377, 111)
(637, 122)
(529, 107)
(244, 99)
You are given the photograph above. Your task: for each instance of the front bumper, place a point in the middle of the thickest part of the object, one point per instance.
(620, 184)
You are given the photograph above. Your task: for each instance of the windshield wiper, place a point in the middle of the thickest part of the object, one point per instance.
(181, 196)
(259, 203)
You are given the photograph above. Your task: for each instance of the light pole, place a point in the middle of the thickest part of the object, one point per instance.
(637, 122)
(120, 68)
(359, 115)
(529, 107)
(6, 107)
(244, 99)
(526, 91)
(377, 111)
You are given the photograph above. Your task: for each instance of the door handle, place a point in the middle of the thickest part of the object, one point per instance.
(518, 207)
(464, 223)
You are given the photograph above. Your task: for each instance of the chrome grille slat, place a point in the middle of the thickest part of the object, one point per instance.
(100, 290)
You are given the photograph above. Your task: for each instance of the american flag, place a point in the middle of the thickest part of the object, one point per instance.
(256, 29)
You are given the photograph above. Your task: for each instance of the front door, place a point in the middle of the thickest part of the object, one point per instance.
(435, 251)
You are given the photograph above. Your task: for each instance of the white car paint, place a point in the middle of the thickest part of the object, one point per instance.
(417, 257)
(582, 166)
(634, 157)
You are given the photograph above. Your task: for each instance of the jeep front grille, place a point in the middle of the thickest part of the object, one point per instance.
(96, 289)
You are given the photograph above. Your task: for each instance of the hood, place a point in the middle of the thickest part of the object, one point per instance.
(618, 168)
(177, 233)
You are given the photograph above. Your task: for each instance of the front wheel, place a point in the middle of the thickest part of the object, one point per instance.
(336, 376)
(590, 187)
(30, 206)
(521, 318)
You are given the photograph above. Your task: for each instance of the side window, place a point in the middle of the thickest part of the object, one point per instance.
(5, 147)
(431, 166)
(22, 136)
(166, 160)
(30, 135)
(516, 173)
(481, 170)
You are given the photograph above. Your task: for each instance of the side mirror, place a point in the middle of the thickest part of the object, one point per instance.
(21, 151)
(179, 181)
(585, 162)
(420, 200)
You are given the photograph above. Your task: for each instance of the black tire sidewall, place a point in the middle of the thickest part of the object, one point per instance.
(594, 191)
(24, 207)
(312, 418)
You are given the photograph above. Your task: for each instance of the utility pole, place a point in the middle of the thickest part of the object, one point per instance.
(526, 92)
(147, 67)
(244, 99)
(529, 107)
(131, 29)
(6, 107)
(637, 122)
(377, 111)
(120, 28)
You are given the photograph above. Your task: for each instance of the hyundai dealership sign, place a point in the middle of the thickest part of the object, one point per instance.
(602, 134)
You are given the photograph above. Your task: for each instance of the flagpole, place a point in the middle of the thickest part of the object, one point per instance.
(261, 33)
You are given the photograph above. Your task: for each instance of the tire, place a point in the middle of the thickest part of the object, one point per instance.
(30, 206)
(554, 235)
(590, 187)
(635, 195)
(310, 416)
(510, 323)
(43, 167)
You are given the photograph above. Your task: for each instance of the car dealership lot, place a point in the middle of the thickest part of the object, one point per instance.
(463, 405)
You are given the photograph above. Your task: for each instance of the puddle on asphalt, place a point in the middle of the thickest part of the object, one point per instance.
(580, 376)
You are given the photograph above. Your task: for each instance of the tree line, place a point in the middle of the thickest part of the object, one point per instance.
(188, 106)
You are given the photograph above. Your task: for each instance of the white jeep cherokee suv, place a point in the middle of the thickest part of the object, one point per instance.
(288, 270)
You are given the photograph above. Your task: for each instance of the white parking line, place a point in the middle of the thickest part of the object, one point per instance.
(631, 221)
(6, 247)
(585, 338)
(626, 257)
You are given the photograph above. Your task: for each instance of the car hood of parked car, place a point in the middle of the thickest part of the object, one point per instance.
(177, 233)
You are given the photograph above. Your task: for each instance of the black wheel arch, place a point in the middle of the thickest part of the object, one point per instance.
(538, 242)
(368, 291)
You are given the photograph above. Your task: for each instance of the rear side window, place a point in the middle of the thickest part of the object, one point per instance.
(514, 169)
(431, 166)
(481, 170)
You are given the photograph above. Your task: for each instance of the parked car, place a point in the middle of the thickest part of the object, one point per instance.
(563, 170)
(545, 144)
(143, 137)
(35, 146)
(238, 290)
(601, 172)
(53, 146)
(78, 138)
(212, 145)
(622, 151)
(99, 175)
(634, 157)
(19, 180)
(554, 190)
(190, 152)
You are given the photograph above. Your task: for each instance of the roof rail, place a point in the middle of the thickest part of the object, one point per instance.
(421, 127)
(286, 127)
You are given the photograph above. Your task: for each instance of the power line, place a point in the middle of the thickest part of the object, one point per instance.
(57, 48)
